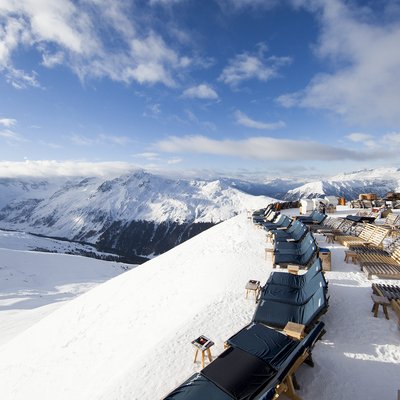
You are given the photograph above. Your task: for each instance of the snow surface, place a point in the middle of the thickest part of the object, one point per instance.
(34, 284)
(16, 240)
(129, 338)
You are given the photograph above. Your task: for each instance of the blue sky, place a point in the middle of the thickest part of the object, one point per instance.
(250, 88)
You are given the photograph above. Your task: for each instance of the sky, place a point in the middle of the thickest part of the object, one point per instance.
(247, 88)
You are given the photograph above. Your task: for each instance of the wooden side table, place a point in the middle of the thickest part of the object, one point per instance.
(294, 330)
(380, 301)
(269, 251)
(253, 286)
(293, 269)
(202, 344)
(350, 255)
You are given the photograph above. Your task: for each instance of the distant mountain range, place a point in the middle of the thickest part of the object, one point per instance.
(350, 185)
(142, 214)
(134, 215)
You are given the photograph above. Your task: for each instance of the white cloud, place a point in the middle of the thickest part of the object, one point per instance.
(237, 5)
(8, 122)
(243, 119)
(174, 161)
(151, 156)
(392, 138)
(44, 168)
(359, 137)
(259, 148)
(166, 2)
(363, 50)
(72, 33)
(11, 137)
(247, 66)
(202, 91)
(98, 140)
(363, 138)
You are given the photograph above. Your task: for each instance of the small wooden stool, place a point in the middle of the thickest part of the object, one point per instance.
(269, 251)
(351, 256)
(203, 344)
(253, 286)
(380, 301)
(329, 237)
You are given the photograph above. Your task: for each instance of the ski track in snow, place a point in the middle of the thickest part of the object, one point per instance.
(129, 338)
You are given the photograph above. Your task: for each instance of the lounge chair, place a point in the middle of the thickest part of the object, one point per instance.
(277, 314)
(294, 233)
(314, 218)
(294, 247)
(381, 271)
(295, 281)
(283, 221)
(296, 296)
(303, 259)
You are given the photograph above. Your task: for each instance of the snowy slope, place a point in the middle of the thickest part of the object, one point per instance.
(34, 284)
(15, 240)
(129, 338)
(350, 185)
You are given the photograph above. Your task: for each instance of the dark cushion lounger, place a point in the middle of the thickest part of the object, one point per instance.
(282, 221)
(295, 248)
(294, 236)
(277, 314)
(239, 373)
(197, 387)
(296, 281)
(271, 346)
(302, 260)
(297, 296)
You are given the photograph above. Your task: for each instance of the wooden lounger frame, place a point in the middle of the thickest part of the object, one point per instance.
(376, 258)
(382, 271)
(288, 383)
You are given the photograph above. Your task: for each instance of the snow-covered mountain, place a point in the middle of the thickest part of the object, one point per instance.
(135, 214)
(350, 185)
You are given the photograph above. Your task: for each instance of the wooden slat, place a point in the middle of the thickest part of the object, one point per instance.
(391, 292)
(384, 271)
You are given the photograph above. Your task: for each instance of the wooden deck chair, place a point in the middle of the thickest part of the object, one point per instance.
(391, 221)
(376, 258)
(374, 242)
(364, 236)
(336, 227)
(381, 271)
(391, 292)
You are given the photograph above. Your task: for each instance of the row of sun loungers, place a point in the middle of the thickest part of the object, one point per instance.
(293, 243)
(259, 362)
